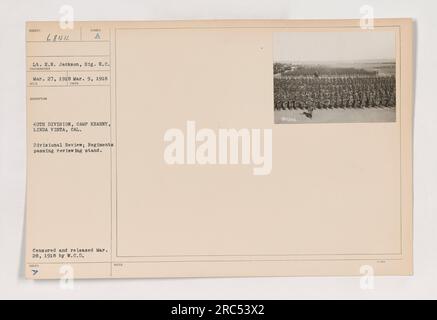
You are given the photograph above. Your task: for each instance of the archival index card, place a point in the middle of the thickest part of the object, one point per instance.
(219, 148)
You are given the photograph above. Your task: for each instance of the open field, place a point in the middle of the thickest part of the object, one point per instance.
(336, 116)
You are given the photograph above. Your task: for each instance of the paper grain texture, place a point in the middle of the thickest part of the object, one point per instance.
(105, 101)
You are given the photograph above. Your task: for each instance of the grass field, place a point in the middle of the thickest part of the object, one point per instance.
(337, 116)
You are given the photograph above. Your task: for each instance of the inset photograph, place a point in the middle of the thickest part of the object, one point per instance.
(334, 77)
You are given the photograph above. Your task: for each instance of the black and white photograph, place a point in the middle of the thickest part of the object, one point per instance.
(334, 77)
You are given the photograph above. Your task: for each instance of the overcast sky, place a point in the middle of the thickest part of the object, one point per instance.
(334, 46)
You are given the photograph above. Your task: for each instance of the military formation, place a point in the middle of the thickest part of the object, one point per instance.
(326, 92)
